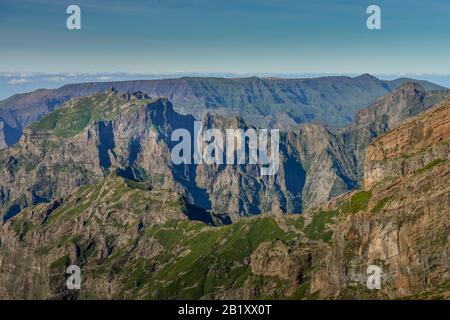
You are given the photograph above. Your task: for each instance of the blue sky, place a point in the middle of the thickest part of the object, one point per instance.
(271, 36)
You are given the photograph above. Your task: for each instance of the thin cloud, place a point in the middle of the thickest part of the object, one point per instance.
(57, 79)
(104, 78)
(19, 81)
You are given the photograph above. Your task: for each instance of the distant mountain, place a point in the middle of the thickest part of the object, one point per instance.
(329, 100)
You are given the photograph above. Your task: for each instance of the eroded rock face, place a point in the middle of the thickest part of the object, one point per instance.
(133, 239)
(404, 230)
(272, 259)
(401, 221)
(89, 226)
(132, 136)
(409, 147)
(284, 101)
(48, 164)
(292, 263)
(385, 114)
(2, 136)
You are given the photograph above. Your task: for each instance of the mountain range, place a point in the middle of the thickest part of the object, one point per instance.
(278, 102)
(90, 181)
(130, 134)
(138, 238)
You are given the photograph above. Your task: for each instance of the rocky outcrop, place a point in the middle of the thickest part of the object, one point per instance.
(50, 161)
(132, 241)
(400, 222)
(409, 147)
(2, 136)
(89, 226)
(135, 139)
(403, 229)
(385, 114)
(131, 135)
(126, 216)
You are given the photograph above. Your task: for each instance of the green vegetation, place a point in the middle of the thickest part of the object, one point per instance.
(317, 229)
(298, 222)
(430, 165)
(301, 292)
(68, 121)
(21, 226)
(136, 185)
(358, 202)
(82, 200)
(357, 290)
(116, 193)
(77, 114)
(201, 259)
(60, 263)
(381, 204)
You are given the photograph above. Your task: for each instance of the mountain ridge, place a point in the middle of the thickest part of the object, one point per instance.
(133, 242)
(131, 133)
(329, 100)
(136, 142)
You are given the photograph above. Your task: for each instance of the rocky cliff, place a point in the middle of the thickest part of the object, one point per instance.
(134, 239)
(3, 144)
(420, 141)
(385, 114)
(400, 222)
(130, 134)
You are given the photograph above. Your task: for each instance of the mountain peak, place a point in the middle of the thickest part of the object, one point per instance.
(76, 114)
(366, 76)
(113, 90)
(410, 85)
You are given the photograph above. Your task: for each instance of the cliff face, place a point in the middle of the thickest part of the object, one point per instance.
(86, 228)
(400, 222)
(385, 114)
(95, 186)
(402, 226)
(132, 242)
(91, 137)
(74, 147)
(2, 136)
(420, 141)
(130, 134)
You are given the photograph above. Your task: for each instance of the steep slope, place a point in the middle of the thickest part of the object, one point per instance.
(2, 136)
(91, 223)
(88, 137)
(401, 221)
(385, 114)
(418, 142)
(130, 134)
(132, 242)
(329, 100)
